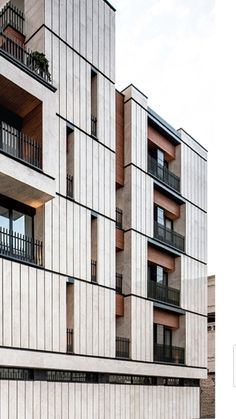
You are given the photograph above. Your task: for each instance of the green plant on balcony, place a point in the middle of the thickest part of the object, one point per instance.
(40, 63)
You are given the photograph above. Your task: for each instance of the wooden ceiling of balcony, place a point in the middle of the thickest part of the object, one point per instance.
(16, 99)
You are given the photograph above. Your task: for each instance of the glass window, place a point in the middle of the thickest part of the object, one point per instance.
(4, 218)
(160, 216)
(160, 157)
(169, 224)
(21, 223)
(161, 276)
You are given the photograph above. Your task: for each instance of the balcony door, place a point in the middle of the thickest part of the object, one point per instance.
(162, 340)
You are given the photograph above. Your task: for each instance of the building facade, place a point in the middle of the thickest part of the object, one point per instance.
(103, 210)
(208, 386)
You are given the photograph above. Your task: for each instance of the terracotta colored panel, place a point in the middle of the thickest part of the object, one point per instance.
(172, 209)
(32, 124)
(159, 140)
(14, 35)
(161, 258)
(166, 318)
(119, 139)
(119, 305)
(119, 239)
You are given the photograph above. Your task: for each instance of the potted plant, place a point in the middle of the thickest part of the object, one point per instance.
(39, 63)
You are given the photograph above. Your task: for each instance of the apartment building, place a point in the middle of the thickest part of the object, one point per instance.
(103, 209)
(208, 386)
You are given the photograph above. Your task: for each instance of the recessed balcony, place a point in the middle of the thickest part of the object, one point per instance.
(169, 354)
(163, 293)
(163, 173)
(169, 237)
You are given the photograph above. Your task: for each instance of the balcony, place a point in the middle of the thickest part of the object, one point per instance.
(69, 186)
(20, 146)
(163, 174)
(119, 218)
(169, 237)
(69, 340)
(169, 354)
(122, 348)
(27, 60)
(119, 278)
(21, 247)
(163, 293)
(10, 15)
(93, 270)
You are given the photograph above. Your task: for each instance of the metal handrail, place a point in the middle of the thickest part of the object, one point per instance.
(119, 278)
(164, 174)
(20, 145)
(169, 354)
(70, 186)
(161, 292)
(25, 57)
(93, 270)
(21, 247)
(94, 126)
(169, 236)
(70, 340)
(122, 347)
(12, 16)
(119, 218)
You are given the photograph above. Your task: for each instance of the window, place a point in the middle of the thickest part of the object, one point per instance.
(158, 274)
(17, 232)
(14, 219)
(161, 219)
(162, 335)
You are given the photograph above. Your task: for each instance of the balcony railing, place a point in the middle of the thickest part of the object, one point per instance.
(169, 236)
(119, 278)
(21, 247)
(70, 340)
(11, 16)
(20, 146)
(93, 270)
(25, 57)
(163, 174)
(170, 354)
(94, 126)
(162, 293)
(119, 218)
(70, 186)
(122, 348)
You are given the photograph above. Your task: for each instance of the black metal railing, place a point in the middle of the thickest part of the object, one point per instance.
(122, 348)
(93, 270)
(11, 16)
(26, 58)
(70, 186)
(162, 293)
(21, 247)
(119, 218)
(169, 236)
(19, 145)
(170, 354)
(70, 340)
(119, 278)
(163, 174)
(94, 126)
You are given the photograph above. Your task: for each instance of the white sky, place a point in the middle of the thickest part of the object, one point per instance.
(182, 55)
